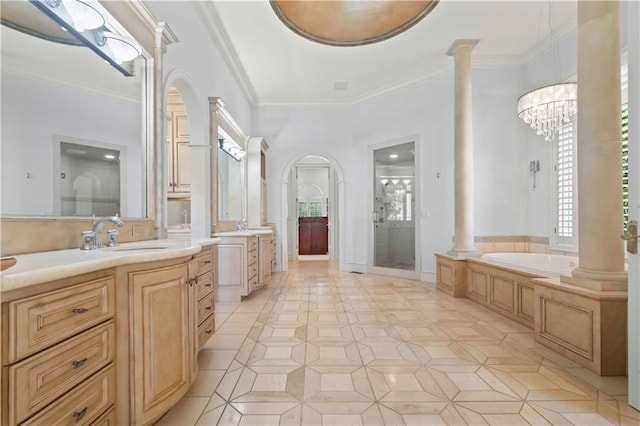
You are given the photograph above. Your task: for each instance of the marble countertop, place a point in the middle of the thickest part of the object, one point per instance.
(245, 233)
(37, 268)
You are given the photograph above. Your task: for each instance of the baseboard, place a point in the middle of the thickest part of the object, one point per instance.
(428, 277)
(355, 267)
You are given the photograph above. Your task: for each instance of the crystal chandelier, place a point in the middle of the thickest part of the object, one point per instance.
(548, 108)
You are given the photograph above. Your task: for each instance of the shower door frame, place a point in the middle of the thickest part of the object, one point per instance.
(371, 268)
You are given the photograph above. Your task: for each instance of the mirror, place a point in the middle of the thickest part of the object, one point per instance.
(56, 95)
(230, 182)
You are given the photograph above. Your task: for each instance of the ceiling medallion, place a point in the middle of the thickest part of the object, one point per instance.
(351, 22)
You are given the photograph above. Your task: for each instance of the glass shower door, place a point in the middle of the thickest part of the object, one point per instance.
(394, 207)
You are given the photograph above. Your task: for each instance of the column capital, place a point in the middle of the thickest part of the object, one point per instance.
(460, 44)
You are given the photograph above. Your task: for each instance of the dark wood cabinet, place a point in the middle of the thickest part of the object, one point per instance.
(313, 235)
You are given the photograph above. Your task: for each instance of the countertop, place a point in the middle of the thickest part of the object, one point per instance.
(37, 268)
(245, 233)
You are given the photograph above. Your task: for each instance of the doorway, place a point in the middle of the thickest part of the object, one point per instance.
(178, 164)
(394, 242)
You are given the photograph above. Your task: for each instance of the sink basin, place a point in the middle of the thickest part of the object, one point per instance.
(137, 248)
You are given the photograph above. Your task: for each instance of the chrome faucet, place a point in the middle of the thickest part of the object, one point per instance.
(242, 225)
(97, 228)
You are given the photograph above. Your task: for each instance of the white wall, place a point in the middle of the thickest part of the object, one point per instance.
(35, 110)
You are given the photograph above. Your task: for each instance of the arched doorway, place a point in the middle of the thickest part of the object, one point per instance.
(312, 186)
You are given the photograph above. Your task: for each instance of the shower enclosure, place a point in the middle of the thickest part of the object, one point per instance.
(394, 207)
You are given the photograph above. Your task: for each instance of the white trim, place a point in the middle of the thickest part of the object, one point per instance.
(355, 267)
(398, 273)
(428, 277)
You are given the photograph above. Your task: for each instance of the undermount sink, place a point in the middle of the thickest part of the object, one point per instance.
(137, 248)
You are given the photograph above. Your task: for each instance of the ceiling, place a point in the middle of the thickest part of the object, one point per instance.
(276, 66)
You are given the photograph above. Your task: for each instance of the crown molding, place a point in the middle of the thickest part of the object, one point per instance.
(214, 26)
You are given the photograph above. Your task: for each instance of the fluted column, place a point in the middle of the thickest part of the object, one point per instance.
(463, 243)
(601, 250)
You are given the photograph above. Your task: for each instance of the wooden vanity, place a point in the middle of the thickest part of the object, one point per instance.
(104, 338)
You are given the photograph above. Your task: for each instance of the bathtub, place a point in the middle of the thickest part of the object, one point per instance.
(545, 265)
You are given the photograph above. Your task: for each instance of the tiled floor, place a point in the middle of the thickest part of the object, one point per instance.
(319, 346)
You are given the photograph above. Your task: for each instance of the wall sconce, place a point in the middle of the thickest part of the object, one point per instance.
(534, 167)
(231, 148)
(87, 21)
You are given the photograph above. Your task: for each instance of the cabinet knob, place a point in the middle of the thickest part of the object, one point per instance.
(79, 363)
(79, 415)
(208, 308)
(80, 310)
(209, 331)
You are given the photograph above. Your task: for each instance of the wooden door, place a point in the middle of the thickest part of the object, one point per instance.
(313, 235)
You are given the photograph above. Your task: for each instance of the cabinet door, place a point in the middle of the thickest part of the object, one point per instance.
(161, 340)
(182, 153)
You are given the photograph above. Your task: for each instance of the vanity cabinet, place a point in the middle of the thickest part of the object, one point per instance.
(265, 241)
(59, 354)
(161, 334)
(205, 278)
(178, 151)
(257, 182)
(237, 266)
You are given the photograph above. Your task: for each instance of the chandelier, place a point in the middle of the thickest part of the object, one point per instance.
(548, 108)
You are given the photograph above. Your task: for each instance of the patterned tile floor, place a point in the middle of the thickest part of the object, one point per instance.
(322, 347)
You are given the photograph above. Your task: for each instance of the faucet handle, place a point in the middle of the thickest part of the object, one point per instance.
(88, 240)
(112, 233)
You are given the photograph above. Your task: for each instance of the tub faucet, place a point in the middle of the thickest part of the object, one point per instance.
(97, 228)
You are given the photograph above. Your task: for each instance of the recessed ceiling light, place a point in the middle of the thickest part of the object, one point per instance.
(109, 156)
(393, 155)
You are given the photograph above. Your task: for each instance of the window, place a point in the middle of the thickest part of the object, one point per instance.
(564, 235)
(312, 208)
(564, 182)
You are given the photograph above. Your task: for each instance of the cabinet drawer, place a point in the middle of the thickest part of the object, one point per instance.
(40, 379)
(40, 321)
(205, 284)
(252, 271)
(252, 258)
(82, 405)
(252, 243)
(205, 331)
(107, 419)
(204, 261)
(205, 308)
(253, 282)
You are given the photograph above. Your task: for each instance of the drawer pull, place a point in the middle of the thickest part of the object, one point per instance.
(80, 310)
(208, 285)
(79, 415)
(208, 308)
(207, 261)
(79, 363)
(209, 331)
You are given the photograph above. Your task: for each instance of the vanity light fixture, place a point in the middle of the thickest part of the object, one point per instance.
(77, 17)
(110, 156)
(123, 49)
(84, 15)
(384, 181)
(393, 155)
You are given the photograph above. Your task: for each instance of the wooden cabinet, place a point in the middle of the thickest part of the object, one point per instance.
(59, 354)
(178, 151)
(257, 182)
(313, 235)
(161, 302)
(265, 257)
(237, 267)
(205, 278)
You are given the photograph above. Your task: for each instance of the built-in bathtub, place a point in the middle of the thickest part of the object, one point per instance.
(586, 326)
(542, 264)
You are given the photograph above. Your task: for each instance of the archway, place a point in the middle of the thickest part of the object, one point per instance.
(289, 213)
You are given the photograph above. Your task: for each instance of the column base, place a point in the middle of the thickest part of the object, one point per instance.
(595, 280)
(463, 254)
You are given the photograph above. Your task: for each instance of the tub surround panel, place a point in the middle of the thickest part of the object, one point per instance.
(451, 275)
(22, 235)
(587, 326)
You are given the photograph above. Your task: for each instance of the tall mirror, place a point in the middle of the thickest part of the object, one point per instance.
(228, 192)
(74, 128)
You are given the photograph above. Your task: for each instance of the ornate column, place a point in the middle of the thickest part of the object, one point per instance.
(601, 250)
(463, 244)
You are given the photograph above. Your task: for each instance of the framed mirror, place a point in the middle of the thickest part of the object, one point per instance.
(62, 102)
(229, 175)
